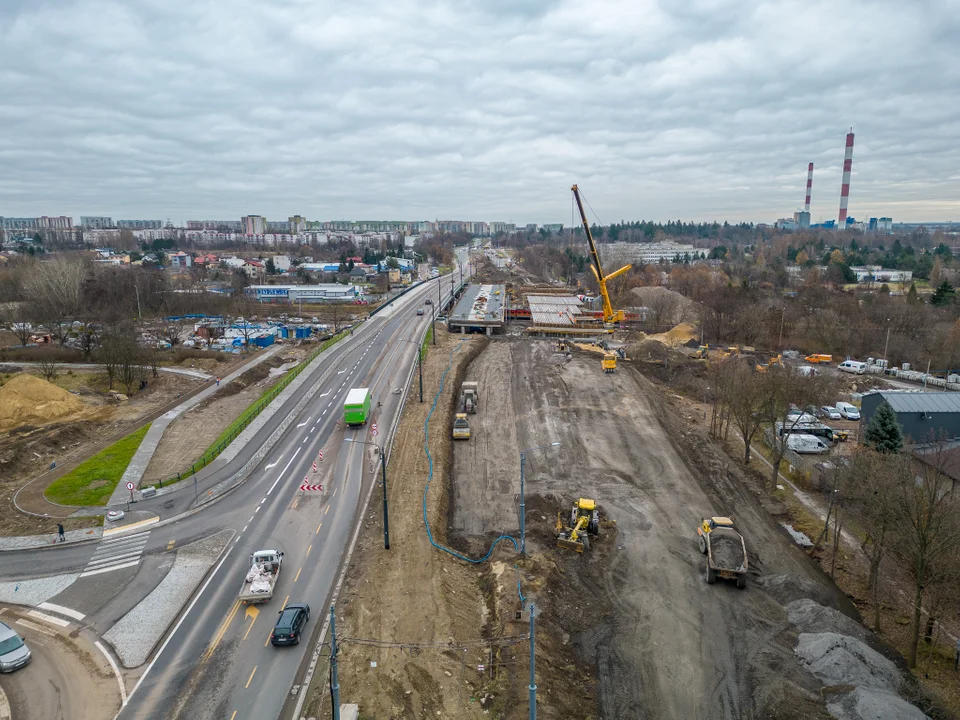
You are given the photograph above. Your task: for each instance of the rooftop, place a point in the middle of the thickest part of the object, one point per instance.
(932, 402)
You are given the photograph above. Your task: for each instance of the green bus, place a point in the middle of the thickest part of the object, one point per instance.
(356, 408)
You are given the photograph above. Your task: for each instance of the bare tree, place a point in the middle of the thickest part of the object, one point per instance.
(784, 388)
(17, 319)
(746, 399)
(56, 289)
(928, 529)
(48, 368)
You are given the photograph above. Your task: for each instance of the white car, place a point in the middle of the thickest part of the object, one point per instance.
(828, 411)
(850, 412)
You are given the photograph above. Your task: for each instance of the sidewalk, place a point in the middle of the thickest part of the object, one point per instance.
(23, 542)
(160, 368)
(141, 459)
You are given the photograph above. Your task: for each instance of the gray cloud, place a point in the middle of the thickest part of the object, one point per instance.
(480, 110)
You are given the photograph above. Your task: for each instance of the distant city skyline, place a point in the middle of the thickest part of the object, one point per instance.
(478, 110)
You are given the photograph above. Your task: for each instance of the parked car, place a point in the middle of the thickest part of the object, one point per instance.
(293, 618)
(14, 652)
(829, 411)
(807, 444)
(850, 412)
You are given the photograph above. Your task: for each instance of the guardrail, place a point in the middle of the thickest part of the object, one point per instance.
(248, 415)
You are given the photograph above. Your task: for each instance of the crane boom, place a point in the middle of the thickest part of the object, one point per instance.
(609, 315)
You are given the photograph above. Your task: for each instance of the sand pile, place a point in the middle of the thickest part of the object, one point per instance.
(677, 336)
(29, 400)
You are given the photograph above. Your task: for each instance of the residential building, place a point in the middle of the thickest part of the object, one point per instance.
(553, 228)
(94, 222)
(296, 224)
(877, 274)
(647, 253)
(222, 226)
(139, 224)
(281, 262)
(180, 259)
(253, 225)
(60, 222)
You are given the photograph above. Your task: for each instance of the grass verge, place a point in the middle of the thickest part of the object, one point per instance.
(93, 481)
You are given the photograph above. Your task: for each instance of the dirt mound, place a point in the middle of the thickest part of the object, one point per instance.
(861, 704)
(787, 588)
(808, 616)
(842, 660)
(727, 552)
(27, 399)
(677, 336)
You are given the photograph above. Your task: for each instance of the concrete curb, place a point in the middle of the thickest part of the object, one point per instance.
(4, 706)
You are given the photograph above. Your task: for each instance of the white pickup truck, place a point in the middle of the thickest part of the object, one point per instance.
(262, 576)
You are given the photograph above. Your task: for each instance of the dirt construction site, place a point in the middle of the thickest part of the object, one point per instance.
(628, 628)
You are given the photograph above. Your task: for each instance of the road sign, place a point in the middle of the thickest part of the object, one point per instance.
(306, 487)
(129, 486)
(320, 454)
(374, 427)
(314, 467)
(374, 432)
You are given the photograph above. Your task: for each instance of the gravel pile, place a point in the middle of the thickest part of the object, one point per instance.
(861, 704)
(808, 616)
(727, 551)
(137, 632)
(787, 588)
(841, 660)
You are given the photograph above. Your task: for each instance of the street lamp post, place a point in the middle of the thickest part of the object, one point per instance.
(523, 506)
(886, 345)
(433, 317)
(383, 468)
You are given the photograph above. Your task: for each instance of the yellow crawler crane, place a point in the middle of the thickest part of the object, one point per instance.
(609, 315)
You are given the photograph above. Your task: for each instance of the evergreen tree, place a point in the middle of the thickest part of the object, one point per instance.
(883, 432)
(943, 295)
(912, 297)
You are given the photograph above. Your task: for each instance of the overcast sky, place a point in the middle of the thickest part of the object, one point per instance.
(487, 110)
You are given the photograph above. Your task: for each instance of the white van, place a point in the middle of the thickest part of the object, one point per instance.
(809, 444)
(852, 366)
(850, 412)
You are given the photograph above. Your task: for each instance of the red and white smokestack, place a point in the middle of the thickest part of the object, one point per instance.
(806, 203)
(845, 187)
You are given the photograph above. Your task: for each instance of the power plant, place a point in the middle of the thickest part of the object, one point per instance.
(845, 187)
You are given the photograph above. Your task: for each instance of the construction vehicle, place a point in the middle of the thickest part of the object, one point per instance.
(584, 521)
(461, 428)
(773, 361)
(470, 397)
(702, 353)
(609, 315)
(609, 363)
(819, 359)
(725, 550)
(261, 578)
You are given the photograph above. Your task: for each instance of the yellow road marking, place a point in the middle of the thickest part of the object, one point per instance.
(298, 574)
(252, 613)
(234, 715)
(250, 680)
(308, 551)
(295, 501)
(171, 544)
(223, 628)
(318, 528)
(285, 601)
(327, 510)
(268, 638)
(334, 493)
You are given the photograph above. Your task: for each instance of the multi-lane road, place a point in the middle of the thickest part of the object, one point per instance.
(216, 660)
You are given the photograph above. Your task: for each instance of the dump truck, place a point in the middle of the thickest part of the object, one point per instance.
(725, 550)
(356, 408)
(470, 397)
(609, 363)
(584, 521)
(461, 428)
(261, 578)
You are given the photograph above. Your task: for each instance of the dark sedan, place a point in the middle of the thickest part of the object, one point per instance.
(289, 627)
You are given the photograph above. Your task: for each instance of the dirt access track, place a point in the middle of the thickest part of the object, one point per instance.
(639, 614)
(629, 629)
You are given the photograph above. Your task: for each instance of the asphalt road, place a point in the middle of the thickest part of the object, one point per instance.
(217, 660)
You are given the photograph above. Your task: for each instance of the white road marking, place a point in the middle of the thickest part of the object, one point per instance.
(116, 554)
(325, 394)
(100, 571)
(342, 372)
(182, 618)
(274, 464)
(48, 618)
(116, 672)
(245, 528)
(286, 467)
(62, 610)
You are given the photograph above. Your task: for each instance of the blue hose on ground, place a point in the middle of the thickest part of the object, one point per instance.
(426, 449)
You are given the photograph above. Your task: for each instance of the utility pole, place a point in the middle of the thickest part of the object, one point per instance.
(523, 509)
(386, 522)
(533, 677)
(334, 682)
(887, 343)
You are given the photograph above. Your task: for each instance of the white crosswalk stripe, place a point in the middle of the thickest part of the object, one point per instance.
(117, 553)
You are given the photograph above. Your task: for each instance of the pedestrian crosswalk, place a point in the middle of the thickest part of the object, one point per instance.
(117, 553)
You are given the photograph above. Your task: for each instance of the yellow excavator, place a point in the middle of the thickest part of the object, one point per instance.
(584, 521)
(609, 315)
